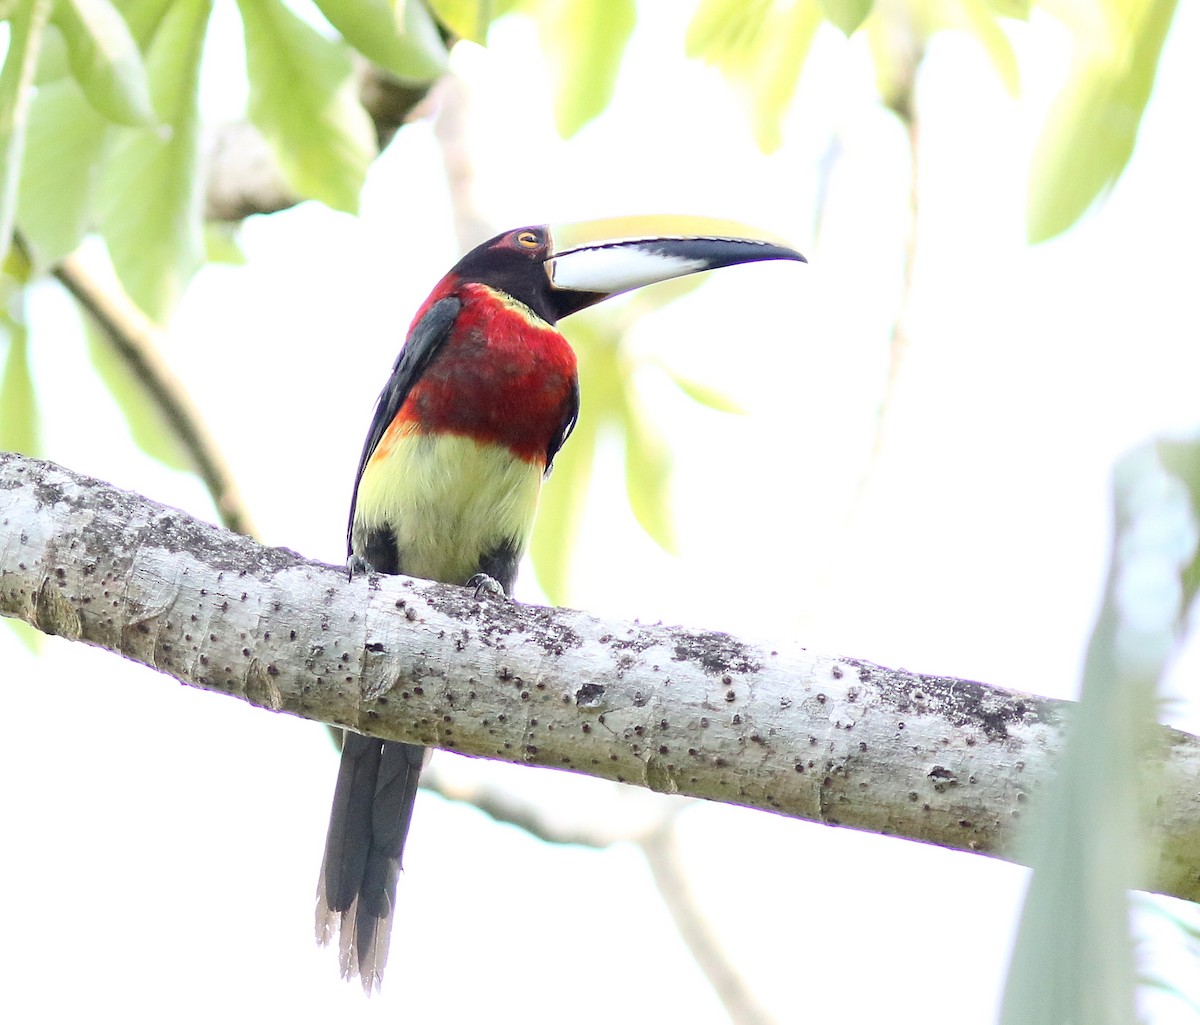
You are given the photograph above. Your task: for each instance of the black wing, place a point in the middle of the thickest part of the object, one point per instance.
(564, 431)
(424, 342)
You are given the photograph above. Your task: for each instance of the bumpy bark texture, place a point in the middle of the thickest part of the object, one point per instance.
(834, 740)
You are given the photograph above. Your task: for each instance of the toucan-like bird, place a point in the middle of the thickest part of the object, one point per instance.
(482, 396)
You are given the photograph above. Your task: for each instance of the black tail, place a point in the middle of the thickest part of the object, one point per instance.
(372, 807)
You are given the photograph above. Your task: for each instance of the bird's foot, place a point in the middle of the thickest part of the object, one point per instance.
(356, 565)
(485, 585)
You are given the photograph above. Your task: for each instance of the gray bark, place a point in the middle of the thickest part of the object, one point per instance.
(831, 739)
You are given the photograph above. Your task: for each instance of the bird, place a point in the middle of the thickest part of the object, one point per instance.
(482, 396)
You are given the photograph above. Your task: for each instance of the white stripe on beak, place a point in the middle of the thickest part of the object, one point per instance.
(616, 268)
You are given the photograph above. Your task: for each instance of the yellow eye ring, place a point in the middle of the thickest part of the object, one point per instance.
(528, 240)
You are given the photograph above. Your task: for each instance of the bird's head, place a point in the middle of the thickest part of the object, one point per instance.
(557, 270)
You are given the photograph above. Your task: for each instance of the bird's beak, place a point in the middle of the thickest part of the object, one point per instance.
(592, 260)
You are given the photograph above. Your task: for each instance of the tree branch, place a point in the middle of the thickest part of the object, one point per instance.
(662, 854)
(135, 338)
(833, 740)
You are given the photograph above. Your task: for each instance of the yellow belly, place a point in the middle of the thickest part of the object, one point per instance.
(449, 500)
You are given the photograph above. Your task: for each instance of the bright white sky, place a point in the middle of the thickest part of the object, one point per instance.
(164, 844)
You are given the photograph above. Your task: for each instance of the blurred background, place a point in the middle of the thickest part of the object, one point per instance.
(900, 452)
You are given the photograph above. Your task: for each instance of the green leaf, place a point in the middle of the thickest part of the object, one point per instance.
(149, 201)
(143, 416)
(399, 35)
(760, 47)
(561, 509)
(705, 394)
(981, 23)
(1073, 958)
(648, 475)
(847, 14)
(143, 17)
(105, 60)
(18, 401)
(52, 57)
(222, 244)
(565, 495)
(26, 634)
(470, 19)
(1181, 458)
(1091, 130)
(63, 155)
(608, 405)
(28, 20)
(1011, 8)
(303, 100)
(583, 41)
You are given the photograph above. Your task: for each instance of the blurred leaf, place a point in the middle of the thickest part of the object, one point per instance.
(221, 243)
(1011, 8)
(62, 160)
(27, 22)
(583, 41)
(981, 23)
(470, 19)
(561, 510)
(564, 499)
(143, 18)
(32, 639)
(304, 101)
(18, 401)
(1073, 958)
(52, 57)
(1181, 458)
(705, 394)
(149, 200)
(610, 400)
(105, 60)
(897, 36)
(1157, 982)
(398, 35)
(143, 416)
(648, 475)
(760, 46)
(661, 293)
(565, 495)
(847, 14)
(1091, 130)
(16, 271)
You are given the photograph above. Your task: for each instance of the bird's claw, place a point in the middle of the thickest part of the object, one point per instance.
(356, 565)
(485, 585)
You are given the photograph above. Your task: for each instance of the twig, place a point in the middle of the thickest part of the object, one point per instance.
(503, 806)
(451, 129)
(662, 853)
(657, 839)
(135, 338)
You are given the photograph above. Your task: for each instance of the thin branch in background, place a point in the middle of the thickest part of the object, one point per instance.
(242, 179)
(390, 102)
(452, 131)
(901, 102)
(135, 338)
(662, 853)
(241, 175)
(501, 805)
(656, 837)
(902, 106)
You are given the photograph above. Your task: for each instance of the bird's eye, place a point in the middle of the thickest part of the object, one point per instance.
(528, 240)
